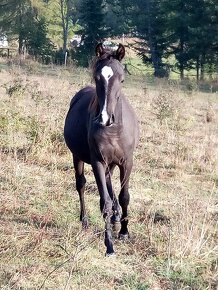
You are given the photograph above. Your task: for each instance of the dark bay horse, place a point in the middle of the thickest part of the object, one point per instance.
(101, 129)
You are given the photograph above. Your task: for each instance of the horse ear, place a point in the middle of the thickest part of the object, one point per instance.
(120, 53)
(99, 50)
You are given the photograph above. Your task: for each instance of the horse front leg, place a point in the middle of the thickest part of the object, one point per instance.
(99, 170)
(116, 208)
(124, 197)
(80, 187)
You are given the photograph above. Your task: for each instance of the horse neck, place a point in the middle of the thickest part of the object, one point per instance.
(119, 111)
(94, 108)
(94, 105)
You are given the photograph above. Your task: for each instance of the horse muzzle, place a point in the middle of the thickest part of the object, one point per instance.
(106, 120)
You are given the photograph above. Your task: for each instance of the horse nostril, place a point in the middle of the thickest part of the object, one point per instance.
(111, 120)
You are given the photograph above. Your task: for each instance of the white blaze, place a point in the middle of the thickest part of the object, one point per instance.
(107, 73)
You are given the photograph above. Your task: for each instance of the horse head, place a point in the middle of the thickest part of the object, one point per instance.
(109, 76)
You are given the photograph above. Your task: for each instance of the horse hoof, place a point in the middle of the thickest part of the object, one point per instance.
(123, 237)
(110, 255)
(85, 223)
(116, 227)
(115, 219)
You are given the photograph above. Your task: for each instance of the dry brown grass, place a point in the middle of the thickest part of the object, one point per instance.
(173, 210)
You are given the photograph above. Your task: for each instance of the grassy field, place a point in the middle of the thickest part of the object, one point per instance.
(174, 189)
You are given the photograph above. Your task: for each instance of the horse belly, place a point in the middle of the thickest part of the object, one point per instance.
(75, 130)
(76, 140)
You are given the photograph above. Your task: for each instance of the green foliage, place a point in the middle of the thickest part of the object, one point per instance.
(133, 282)
(185, 29)
(150, 22)
(182, 28)
(191, 27)
(180, 34)
(162, 107)
(15, 89)
(37, 42)
(185, 277)
(119, 17)
(60, 16)
(93, 29)
(13, 15)
(21, 20)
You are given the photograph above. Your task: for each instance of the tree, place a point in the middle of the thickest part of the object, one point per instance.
(193, 40)
(65, 17)
(149, 20)
(119, 16)
(37, 42)
(13, 15)
(204, 41)
(60, 20)
(186, 29)
(93, 28)
(178, 20)
(21, 21)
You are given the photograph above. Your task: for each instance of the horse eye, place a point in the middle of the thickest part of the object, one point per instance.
(122, 81)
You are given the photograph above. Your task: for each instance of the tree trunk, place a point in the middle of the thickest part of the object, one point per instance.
(64, 5)
(181, 72)
(156, 61)
(65, 33)
(20, 45)
(197, 68)
(202, 62)
(20, 37)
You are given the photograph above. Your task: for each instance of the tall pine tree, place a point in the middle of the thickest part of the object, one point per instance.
(150, 24)
(93, 28)
(20, 20)
(119, 17)
(192, 28)
(178, 27)
(13, 18)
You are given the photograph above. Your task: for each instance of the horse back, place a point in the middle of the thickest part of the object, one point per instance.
(131, 125)
(76, 124)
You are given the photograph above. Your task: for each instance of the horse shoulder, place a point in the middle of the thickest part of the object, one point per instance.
(130, 121)
(86, 93)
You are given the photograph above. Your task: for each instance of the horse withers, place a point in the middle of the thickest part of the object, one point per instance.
(101, 129)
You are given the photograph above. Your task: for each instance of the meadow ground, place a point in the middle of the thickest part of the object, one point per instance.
(174, 189)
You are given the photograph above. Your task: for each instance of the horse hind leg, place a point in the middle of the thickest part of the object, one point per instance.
(124, 198)
(80, 187)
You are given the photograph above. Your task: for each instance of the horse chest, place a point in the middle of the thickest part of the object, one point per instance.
(111, 152)
(108, 148)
